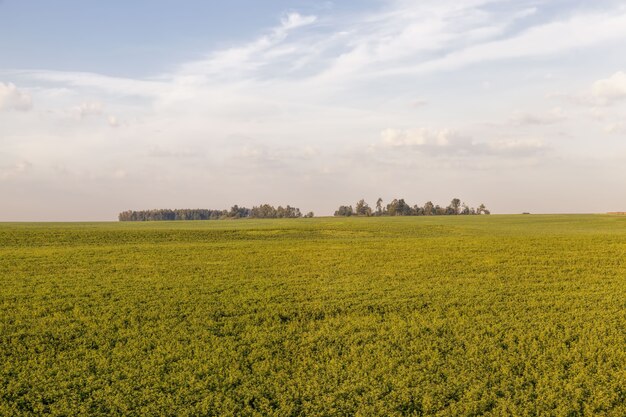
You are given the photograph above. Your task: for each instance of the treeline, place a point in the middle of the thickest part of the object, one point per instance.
(398, 207)
(264, 211)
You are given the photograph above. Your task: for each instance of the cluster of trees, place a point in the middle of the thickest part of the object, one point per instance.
(264, 211)
(398, 207)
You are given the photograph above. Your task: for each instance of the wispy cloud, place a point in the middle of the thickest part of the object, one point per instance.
(118, 86)
(448, 142)
(553, 116)
(579, 31)
(405, 38)
(244, 60)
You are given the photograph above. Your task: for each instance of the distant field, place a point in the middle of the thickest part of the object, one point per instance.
(455, 315)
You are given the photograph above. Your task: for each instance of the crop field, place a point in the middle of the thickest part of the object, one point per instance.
(449, 316)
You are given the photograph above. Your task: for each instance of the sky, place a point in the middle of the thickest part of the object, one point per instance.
(108, 106)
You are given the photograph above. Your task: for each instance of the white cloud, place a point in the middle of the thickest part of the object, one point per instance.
(517, 146)
(113, 121)
(555, 115)
(417, 137)
(616, 128)
(309, 97)
(117, 86)
(418, 102)
(86, 109)
(14, 170)
(406, 38)
(162, 152)
(603, 93)
(247, 59)
(11, 98)
(581, 30)
(120, 174)
(611, 89)
(295, 20)
(283, 155)
(448, 142)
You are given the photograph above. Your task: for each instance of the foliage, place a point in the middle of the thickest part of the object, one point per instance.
(401, 208)
(345, 211)
(264, 211)
(455, 315)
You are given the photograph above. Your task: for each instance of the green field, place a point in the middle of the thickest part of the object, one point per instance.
(454, 315)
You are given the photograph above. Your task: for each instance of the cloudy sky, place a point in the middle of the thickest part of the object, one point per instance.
(115, 105)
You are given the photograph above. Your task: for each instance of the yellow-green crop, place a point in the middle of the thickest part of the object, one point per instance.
(455, 315)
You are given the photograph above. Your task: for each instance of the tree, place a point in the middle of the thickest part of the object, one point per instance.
(429, 208)
(234, 211)
(264, 211)
(345, 211)
(403, 208)
(455, 205)
(309, 215)
(392, 207)
(362, 208)
(379, 206)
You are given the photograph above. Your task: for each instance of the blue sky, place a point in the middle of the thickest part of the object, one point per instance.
(108, 106)
(133, 38)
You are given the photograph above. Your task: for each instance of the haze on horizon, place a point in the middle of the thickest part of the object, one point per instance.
(110, 106)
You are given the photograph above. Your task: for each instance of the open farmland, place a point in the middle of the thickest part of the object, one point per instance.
(455, 315)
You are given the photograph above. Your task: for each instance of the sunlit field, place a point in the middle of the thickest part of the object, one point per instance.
(455, 315)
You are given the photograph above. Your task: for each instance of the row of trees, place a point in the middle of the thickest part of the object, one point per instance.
(264, 211)
(398, 207)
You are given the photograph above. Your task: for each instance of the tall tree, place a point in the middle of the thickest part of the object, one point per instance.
(455, 205)
(362, 208)
(392, 208)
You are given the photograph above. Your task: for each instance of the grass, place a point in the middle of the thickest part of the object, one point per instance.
(495, 315)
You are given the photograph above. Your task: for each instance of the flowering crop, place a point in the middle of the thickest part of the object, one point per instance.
(455, 315)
